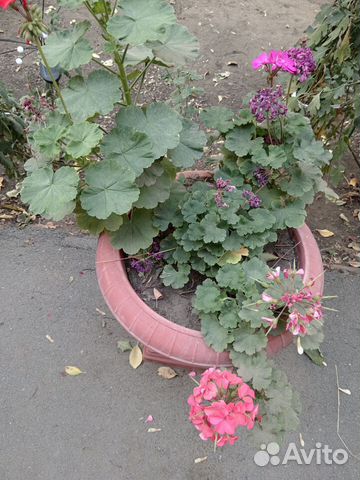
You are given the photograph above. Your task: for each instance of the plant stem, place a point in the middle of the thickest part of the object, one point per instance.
(123, 78)
(269, 131)
(289, 90)
(142, 74)
(54, 82)
(104, 66)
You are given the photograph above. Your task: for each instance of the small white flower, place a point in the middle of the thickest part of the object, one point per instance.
(20, 49)
(108, 63)
(18, 61)
(293, 94)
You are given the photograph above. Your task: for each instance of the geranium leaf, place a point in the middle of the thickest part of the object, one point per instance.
(207, 297)
(136, 233)
(161, 123)
(214, 334)
(128, 147)
(82, 138)
(150, 175)
(255, 368)
(141, 20)
(151, 196)
(190, 148)
(110, 188)
(176, 278)
(239, 140)
(231, 277)
(249, 341)
(46, 140)
(229, 317)
(291, 215)
(175, 46)
(68, 48)
(85, 97)
(218, 118)
(275, 157)
(50, 193)
(168, 212)
(211, 232)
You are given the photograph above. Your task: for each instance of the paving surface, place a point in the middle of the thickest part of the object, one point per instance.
(91, 427)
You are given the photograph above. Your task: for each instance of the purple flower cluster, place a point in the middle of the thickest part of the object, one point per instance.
(267, 104)
(254, 200)
(145, 265)
(304, 61)
(261, 176)
(223, 186)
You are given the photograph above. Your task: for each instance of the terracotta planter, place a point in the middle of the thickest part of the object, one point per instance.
(165, 341)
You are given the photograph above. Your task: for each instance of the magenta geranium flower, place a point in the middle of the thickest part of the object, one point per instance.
(274, 61)
(5, 4)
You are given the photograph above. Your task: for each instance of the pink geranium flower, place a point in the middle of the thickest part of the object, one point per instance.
(5, 4)
(274, 61)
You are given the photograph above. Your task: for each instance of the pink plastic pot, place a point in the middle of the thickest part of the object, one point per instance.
(165, 341)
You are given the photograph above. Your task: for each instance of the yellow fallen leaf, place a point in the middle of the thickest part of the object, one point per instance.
(325, 233)
(354, 182)
(233, 257)
(166, 372)
(157, 294)
(153, 430)
(73, 371)
(135, 357)
(200, 459)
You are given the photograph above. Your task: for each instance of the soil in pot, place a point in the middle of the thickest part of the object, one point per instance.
(176, 305)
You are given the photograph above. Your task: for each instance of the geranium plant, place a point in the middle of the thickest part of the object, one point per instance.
(112, 177)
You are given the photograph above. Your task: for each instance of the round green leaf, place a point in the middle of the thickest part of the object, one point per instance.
(96, 226)
(110, 189)
(141, 20)
(129, 147)
(85, 97)
(82, 138)
(175, 46)
(135, 233)
(190, 148)
(218, 118)
(68, 48)
(50, 193)
(161, 123)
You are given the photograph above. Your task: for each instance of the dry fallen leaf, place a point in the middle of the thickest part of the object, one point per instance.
(166, 372)
(354, 182)
(344, 217)
(325, 233)
(200, 459)
(157, 294)
(345, 390)
(73, 371)
(355, 246)
(1, 182)
(51, 340)
(135, 357)
(153, 430)
(354, 264)
(100, 312)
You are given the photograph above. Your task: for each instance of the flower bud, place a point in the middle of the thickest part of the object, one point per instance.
(20, 49)
(18, 61)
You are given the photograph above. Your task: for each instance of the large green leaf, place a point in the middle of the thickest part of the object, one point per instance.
(274, 158)
(249, 341)
(110, 188)
(136, 233)
(96, 226)
(292, 215)
(175, 46)
(176, 278)
(161, 123)
(82, 138)
(218, 118)
(95, 95)
(212, 233)
(239, 140)
(214, 334)
(191, 146)
(255, 368)
(168, 212)
(46, 140)
(68, 48)
(129, 147)
(151, 196)
(50, 193)
(141, 20)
